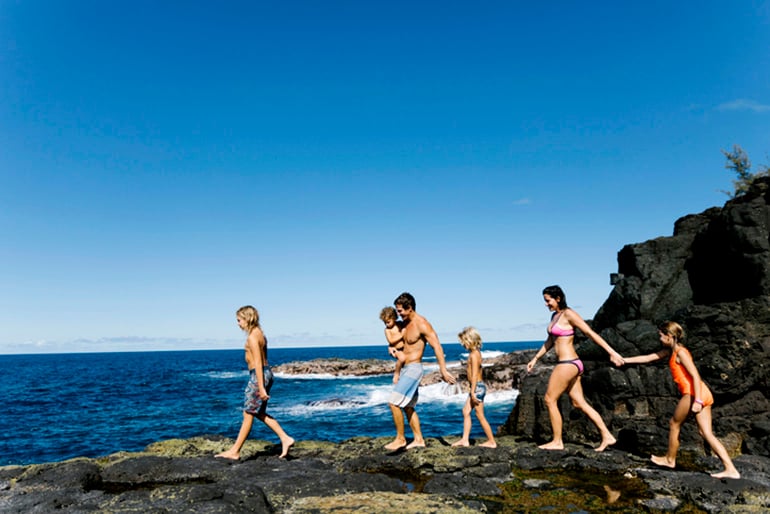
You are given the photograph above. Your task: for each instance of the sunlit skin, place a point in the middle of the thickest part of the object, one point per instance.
(686, 405)
(256, 358)
(565, 378)
(417, 332)
(395, 336)
(473, 404)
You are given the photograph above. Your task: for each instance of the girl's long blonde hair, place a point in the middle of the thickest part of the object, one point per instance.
(250, 315)
(673, 329)
(470, 338)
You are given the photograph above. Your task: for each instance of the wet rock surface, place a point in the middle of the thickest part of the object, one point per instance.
(359, 475)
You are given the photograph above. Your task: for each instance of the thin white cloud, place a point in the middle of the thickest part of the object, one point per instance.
(522, 201)
(743, 104)
(116, 344)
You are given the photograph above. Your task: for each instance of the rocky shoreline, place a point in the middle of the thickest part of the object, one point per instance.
(358, 475)
(501, 372)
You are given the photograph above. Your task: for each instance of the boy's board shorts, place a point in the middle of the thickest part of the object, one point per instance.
(481, 391)
(406, 391)
(252, 403)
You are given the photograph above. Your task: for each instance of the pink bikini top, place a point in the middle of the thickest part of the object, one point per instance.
(557, 331)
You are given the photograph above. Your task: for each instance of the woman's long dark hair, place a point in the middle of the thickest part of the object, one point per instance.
(557, 294)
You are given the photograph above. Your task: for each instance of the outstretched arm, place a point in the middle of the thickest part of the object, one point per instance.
(547, 345)
(645, 359)
(432, 338)
(578, 322)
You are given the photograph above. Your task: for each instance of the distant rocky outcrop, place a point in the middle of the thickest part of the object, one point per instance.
(501, 372)
(337, 367)
(713, 277)
(359, 475)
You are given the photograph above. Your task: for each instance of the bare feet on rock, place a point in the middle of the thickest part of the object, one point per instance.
(607, 441)
(416, 444)
(489, 444)
(285, 447)
(461, 442)
(229, 454)
(733, 473)
(396, 444)
(663, 461)
(553, 445)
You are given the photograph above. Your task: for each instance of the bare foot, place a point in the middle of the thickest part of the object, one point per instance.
(229, 454)
(285, 447)
(663, 461)
(396, 444)
(553, 445)
(489, 444)
(416, 444)
(733, 473)
(607, 441)
(461, 442)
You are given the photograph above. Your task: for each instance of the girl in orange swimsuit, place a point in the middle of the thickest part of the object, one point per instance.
(569, 368)
(696, 398)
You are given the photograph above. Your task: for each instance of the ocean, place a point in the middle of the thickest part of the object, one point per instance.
(60, 406)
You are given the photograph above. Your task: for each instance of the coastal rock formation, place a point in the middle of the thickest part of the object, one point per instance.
(337, 367)
(713, 277)
(358, 475)
(501, 372)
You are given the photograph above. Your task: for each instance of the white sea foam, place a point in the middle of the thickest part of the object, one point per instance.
(454, 393)
(363, 397)
(226, 375)
(370, 396)
(429, 367)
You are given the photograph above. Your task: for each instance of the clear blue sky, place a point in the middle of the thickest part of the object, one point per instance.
(164, 163)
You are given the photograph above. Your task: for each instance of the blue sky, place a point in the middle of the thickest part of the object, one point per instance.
(164, 163)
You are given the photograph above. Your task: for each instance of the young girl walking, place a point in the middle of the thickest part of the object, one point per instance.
(696, 398)
(257, 391)
(471, 341)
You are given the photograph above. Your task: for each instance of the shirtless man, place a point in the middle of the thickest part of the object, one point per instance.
(417, 332)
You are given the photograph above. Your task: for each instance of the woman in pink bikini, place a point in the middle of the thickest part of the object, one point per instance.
(568, 370)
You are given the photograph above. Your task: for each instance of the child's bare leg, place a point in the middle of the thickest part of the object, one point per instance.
(286, 441)
(704, 424)
(675, 426)
(561, 376)
(490, 442)
(579, 401)
(398, 420)
(234, 452)
(414, 424)
(465, 440)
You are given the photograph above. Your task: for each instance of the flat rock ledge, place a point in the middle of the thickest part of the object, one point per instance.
(360, 476)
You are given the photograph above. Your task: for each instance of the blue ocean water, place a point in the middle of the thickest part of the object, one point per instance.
(56, 407)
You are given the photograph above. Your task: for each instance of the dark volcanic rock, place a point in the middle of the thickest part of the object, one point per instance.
(358, 475)
(713, 277)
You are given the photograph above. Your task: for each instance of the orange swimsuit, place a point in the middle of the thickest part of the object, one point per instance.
(684, 380)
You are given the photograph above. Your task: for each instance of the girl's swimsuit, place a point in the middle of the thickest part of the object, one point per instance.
(252, 403)
(556, 330)
(577, 362)
(481, 391)
(684, 380)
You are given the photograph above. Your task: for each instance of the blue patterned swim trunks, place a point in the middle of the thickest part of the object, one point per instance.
(406, 391)
(481, 391)
(252, 403)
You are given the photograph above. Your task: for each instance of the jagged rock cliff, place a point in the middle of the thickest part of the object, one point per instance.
(713, 277)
